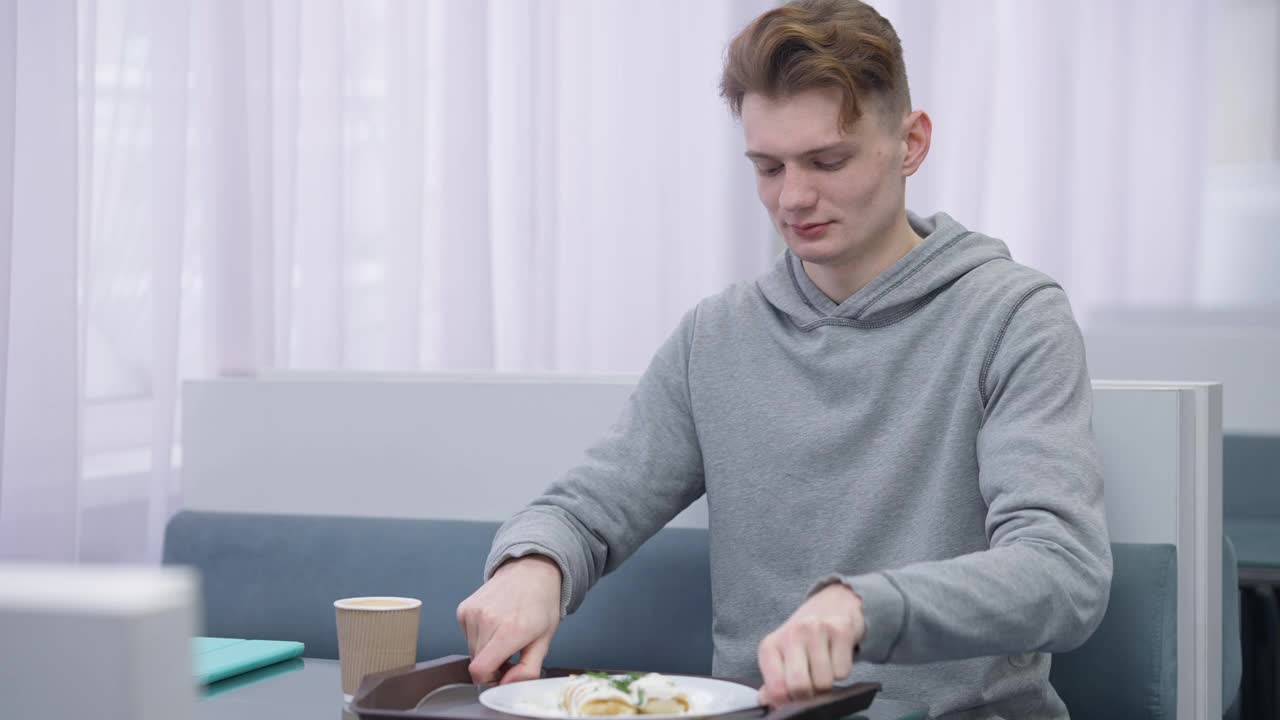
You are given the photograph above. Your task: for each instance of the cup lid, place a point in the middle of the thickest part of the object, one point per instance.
(366, 603)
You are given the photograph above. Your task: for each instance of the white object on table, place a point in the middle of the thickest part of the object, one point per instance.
(109, 643)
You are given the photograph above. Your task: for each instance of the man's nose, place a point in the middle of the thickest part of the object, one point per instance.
(798, 192)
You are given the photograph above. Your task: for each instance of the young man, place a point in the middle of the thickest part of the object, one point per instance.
(892, 427)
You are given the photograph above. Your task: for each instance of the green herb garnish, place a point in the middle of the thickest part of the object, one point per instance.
(622, 684)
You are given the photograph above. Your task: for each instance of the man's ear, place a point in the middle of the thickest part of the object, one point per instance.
(917, 134)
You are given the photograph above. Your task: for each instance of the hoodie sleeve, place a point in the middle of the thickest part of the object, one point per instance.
(638, 476)
(1043, 584)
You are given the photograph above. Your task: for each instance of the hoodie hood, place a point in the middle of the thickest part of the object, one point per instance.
(947, 253)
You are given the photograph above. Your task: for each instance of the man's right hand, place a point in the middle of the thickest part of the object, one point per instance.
(517, 610)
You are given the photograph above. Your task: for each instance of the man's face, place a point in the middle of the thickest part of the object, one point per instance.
(832, 196)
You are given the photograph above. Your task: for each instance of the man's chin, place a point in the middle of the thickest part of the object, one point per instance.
(814, 252)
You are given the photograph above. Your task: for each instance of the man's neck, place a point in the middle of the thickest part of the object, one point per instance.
(840, 281)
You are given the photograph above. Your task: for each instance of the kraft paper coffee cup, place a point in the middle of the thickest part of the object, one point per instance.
(375, 634)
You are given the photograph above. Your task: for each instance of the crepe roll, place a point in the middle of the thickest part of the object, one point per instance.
(656, 694)
(586, 696)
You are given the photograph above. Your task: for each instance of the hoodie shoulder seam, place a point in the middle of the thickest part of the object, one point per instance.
(688, 357)
(911, 273)
(1004, 327)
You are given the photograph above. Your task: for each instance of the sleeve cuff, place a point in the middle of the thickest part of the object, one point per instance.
(884, 612)
(519, 550)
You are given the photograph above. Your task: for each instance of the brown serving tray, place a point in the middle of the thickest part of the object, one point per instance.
(400, 694)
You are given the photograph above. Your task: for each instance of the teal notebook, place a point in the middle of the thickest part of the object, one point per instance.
(220, 658)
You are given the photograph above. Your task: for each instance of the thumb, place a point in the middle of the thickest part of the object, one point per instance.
(530, 665)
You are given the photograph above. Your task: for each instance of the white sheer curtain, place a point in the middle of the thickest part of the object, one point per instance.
(201, 187)
(39, 355)
(1075, 131)
(354, 185)
(515, 186)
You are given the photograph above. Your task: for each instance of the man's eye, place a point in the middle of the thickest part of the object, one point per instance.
(769, 170)
(829, 165)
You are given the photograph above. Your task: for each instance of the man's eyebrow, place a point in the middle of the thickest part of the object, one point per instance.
(752, 154)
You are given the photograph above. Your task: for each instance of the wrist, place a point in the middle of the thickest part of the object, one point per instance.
(849, 604)
(537, 565)
(837, 587)
(844, 594)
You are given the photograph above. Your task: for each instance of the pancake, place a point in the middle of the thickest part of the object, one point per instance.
(587, 696)
(656, 694)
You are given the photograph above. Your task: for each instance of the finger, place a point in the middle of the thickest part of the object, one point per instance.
(774, 689)
(795, 664)
(468, 629)
(530, 665)
(480, 636)
(819, 656)
(485, 629)
(842, 656)
(493, 649)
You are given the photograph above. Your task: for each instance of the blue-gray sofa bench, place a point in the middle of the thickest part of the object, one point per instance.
(276, 576)
(1251, 518)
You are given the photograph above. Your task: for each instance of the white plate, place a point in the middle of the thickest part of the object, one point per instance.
(541, 698)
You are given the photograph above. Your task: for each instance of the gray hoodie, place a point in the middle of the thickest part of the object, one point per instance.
(927, 442)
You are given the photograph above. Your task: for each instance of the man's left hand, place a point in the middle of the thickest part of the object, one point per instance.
(813, 648)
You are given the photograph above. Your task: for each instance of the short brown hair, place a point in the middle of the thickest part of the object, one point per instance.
(808, 44)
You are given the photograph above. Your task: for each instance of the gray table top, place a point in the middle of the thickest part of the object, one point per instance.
(309, 689)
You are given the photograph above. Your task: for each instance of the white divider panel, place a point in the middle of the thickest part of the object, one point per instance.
(481, 446)
(1161, 450)
(440, 446)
